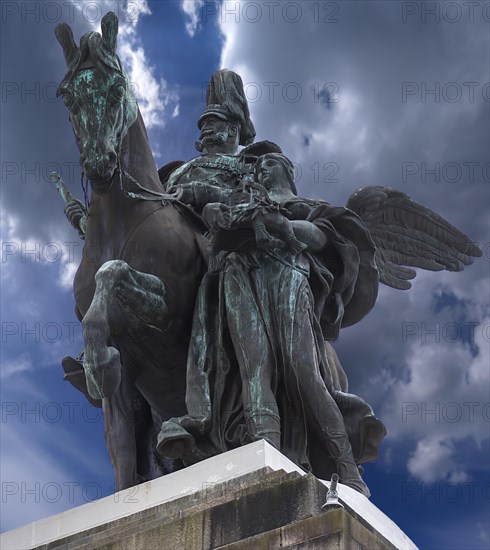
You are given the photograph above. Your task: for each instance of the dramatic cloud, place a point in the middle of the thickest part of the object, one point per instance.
(152, 92)
(356, 94)
(154, 97)
(192, 9)
(443, 402)
(343, 92)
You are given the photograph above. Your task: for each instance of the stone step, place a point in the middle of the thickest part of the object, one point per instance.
(333, 530)
(252, 497)
(218, 515)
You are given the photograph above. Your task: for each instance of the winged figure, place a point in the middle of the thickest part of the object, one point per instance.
(407, 233)
(239, 349)
(277, 377)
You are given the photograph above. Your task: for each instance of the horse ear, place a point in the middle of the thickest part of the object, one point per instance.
(64, 36)
(109, 26)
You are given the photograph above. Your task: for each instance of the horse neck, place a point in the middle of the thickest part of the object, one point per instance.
(111, 215)
(137, 158)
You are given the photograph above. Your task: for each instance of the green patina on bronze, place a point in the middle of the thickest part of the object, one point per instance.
(246, 346)
(97, 92)
(142, 261)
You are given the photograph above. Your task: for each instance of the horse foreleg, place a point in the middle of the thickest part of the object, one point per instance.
(140, 293)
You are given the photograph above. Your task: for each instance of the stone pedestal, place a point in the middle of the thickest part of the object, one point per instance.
(250, 498)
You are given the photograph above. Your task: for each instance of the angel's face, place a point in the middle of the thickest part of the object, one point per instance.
(269, 171)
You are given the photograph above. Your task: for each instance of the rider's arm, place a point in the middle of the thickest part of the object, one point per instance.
(199, 193)
(309, 234)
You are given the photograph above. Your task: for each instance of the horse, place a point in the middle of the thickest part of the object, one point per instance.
(142, 261)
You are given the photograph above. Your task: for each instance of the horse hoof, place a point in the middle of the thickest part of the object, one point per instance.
(104, 378)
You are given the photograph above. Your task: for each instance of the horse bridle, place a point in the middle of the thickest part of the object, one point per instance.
(155, 195)
(150, 194)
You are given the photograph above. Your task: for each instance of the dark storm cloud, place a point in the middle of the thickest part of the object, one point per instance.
(409, 98)
(371, 93)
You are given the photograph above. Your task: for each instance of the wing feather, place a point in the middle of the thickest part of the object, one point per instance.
(407, 233)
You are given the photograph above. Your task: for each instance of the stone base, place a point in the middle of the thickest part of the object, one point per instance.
(249, 499)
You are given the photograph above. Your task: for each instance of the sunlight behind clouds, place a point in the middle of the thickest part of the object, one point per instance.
(169, 49)
(154, 95)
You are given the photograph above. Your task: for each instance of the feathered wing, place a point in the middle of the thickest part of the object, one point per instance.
(406, 233)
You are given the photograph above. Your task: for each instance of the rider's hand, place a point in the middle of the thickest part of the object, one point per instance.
(75, 211)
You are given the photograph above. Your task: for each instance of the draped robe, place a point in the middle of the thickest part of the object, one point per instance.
(284, 306)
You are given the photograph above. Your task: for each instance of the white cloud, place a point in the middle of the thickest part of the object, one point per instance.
(483, 532)
(37, 469)
(13, 246)
(230, 31)
(443, 400)
(153, 94)
(22, 363)
(192, 8)
(68, 270)
(433, 460)
(59, 251)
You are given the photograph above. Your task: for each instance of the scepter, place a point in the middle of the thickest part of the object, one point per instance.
(66, 195)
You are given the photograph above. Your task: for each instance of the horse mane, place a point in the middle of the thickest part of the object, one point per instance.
(93, 53)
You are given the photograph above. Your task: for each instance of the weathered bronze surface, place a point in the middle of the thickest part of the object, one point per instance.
(245, 343)
(135, 288)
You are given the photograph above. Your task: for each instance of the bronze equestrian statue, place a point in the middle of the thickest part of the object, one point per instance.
(259, 364)
(142, 261)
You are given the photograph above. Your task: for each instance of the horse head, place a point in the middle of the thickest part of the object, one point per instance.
(97, 93)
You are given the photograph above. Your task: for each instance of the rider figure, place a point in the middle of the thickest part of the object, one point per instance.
(210, 177)
(224, 125)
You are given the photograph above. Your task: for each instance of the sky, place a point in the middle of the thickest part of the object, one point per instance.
(356, 93)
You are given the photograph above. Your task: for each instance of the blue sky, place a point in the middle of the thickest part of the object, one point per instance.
(356, 93)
